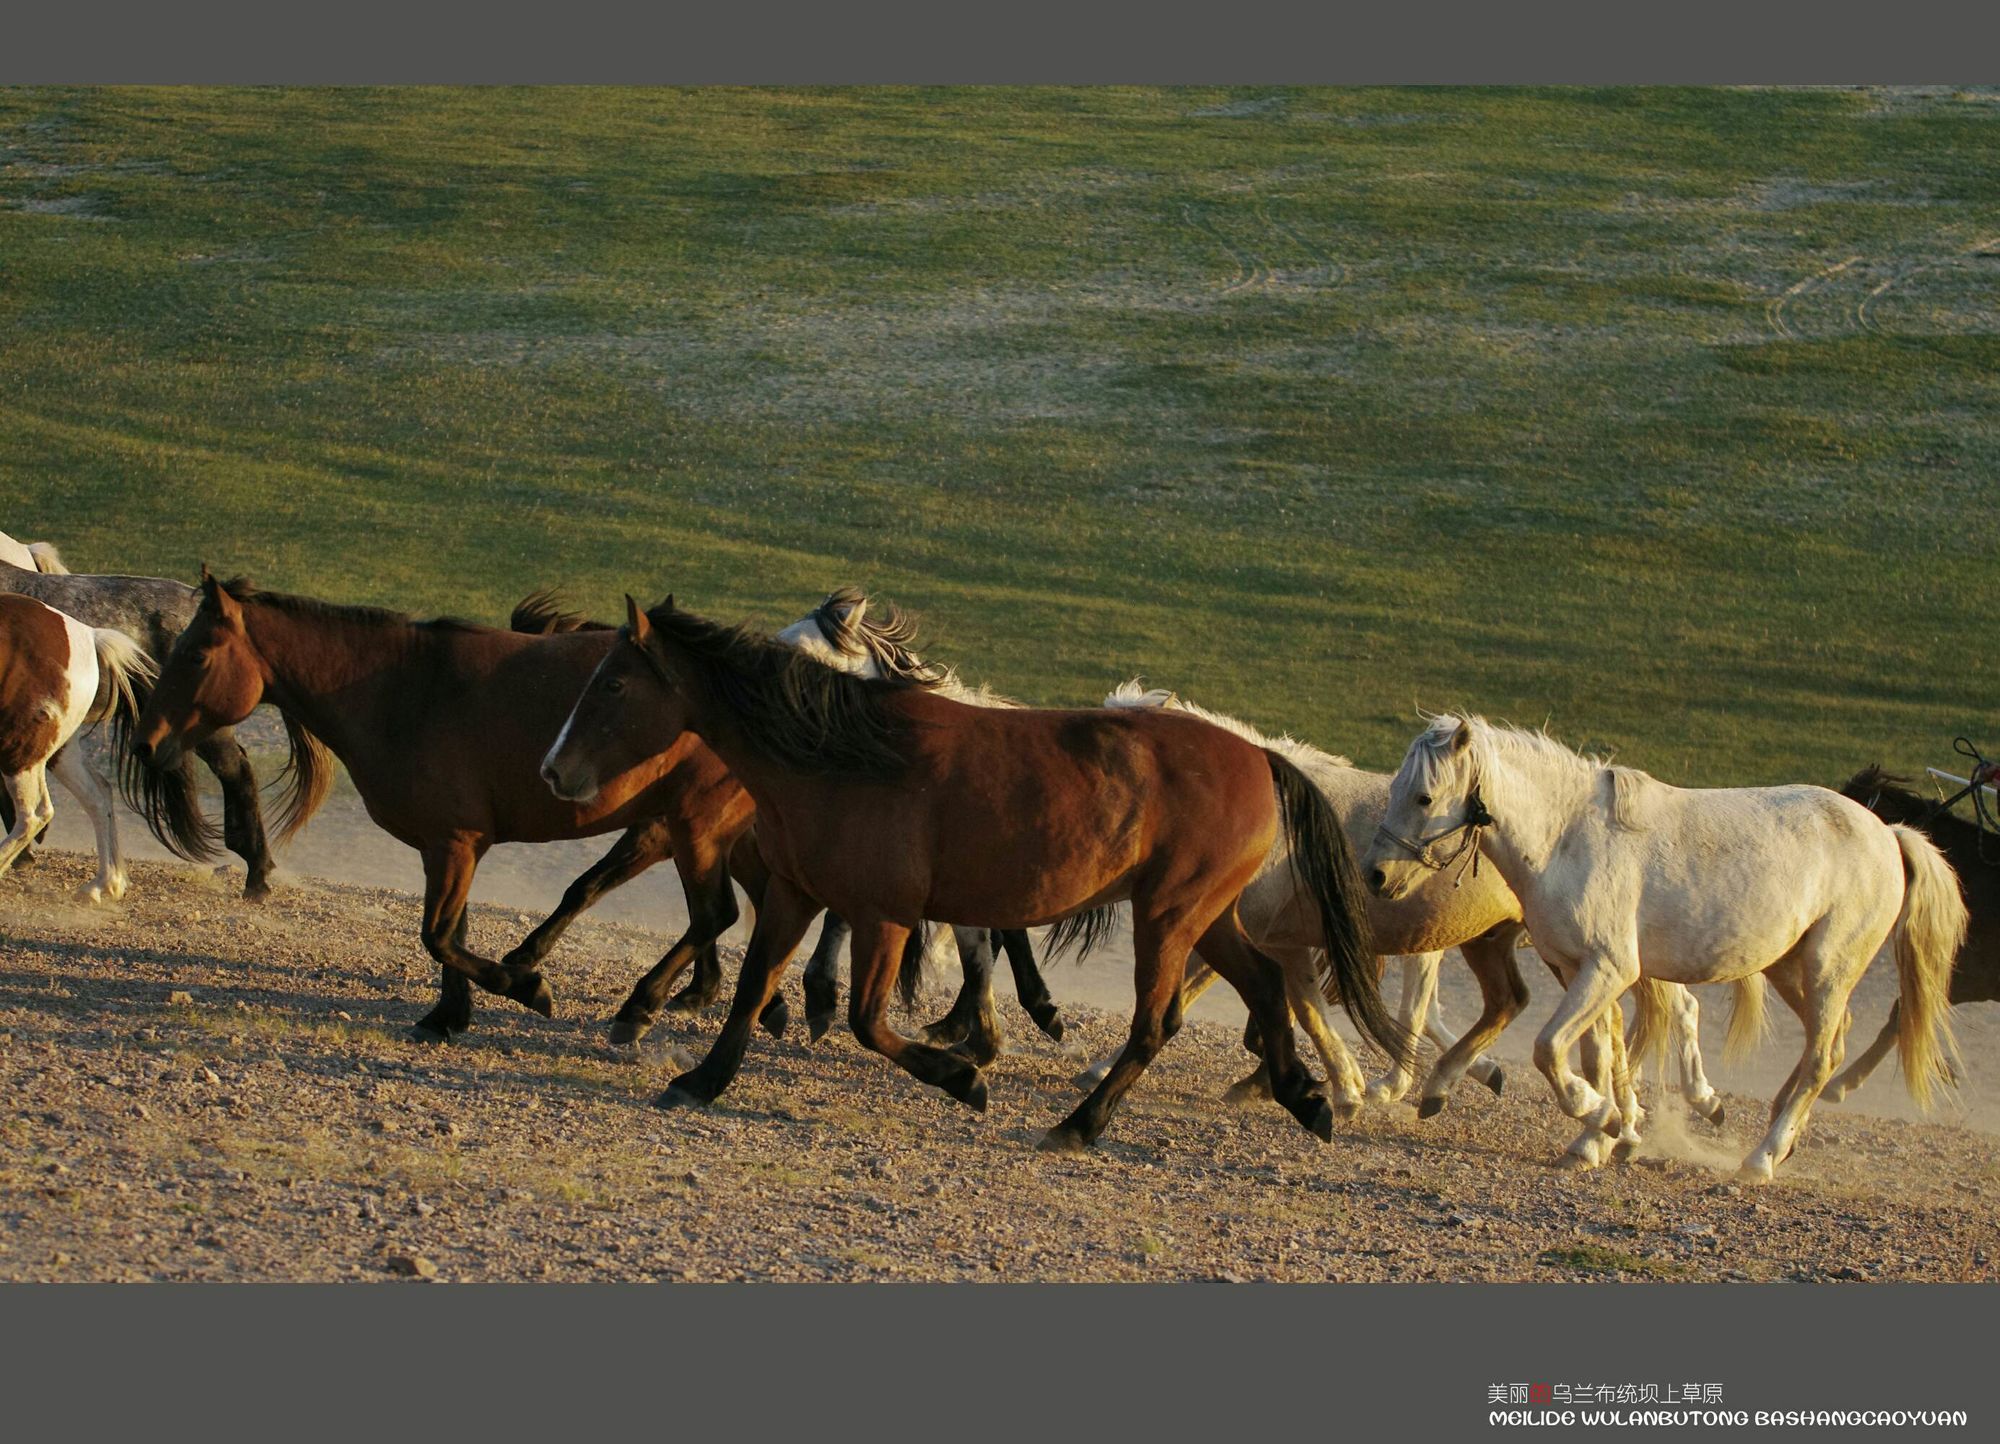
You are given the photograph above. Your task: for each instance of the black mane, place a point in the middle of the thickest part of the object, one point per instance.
(805, 715)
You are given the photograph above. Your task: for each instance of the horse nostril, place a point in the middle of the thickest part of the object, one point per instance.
(1378, 879)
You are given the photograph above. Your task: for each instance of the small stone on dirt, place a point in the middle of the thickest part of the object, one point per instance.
(179, 999)
(412, 1265)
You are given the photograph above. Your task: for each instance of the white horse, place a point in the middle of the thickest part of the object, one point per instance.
(1475, 914)
(56, 677)
(31, 556)
(1623, 878)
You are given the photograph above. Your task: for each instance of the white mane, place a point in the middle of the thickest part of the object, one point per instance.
(1309, 759)
(1629, 792)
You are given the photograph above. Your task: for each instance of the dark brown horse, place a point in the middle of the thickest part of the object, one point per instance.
(442, 726)
(890, 804)
(971, 1022)
(1975, 977)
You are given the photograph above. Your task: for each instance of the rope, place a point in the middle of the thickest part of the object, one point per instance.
(1423, 849)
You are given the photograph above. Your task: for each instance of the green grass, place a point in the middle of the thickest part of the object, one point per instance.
(1318, 406)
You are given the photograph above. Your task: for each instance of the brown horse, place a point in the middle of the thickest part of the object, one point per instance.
(891, 804)
(442, 725)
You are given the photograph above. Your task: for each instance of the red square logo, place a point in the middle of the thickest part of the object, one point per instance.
(1539, 1393)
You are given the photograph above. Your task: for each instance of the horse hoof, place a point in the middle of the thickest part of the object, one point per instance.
(257, 889)
(532, 992)
(818, 1025)
(1062, 1140)
(430, 1031)
(1346, 1109)
(1575, 1163)
(972, 1094)
(1090, 1077)
(688, 1001)
(1623, 1149)
(677, 1096)
(776, 1017)
(1430, 1107)
(1051, 1025)
(1613, 1124)
(1711, 1111)
(627, 1031)
(1755, 1174)
(1319, 1122)
(1496, 1080)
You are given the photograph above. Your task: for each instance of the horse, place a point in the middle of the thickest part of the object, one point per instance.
(154, 610)
(890, 804)
(1624, 878)
(842, 632)
(1477, 915)
(442, 725)
(57, 676)
(1976, 976)
(31, 556)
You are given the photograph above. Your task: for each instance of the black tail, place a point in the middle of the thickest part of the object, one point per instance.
(167, 799)
(910, 977)
(1324, 866)
(1083, 932)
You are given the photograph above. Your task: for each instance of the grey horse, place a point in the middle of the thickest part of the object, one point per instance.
(153, 610)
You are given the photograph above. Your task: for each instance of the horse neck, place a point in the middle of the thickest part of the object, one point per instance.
(337, 676)
(1533, 797)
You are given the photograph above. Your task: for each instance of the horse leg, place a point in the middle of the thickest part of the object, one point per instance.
(1856, 1073)
(823, 977)
(971, 1025)
(88, 787)
(635, 851)
(1200, 980)
(1302, 990)
(1029, 986)
(1822, 1008)
(711, 903)
(1254, 1086)
(1503, 995)
(1593, 989)
(1686, 1033)
(875, 956)
(242, 811)
(1481, 1069)
(29, 792)
(1420, 974)
(448, 870)
(1597, 1143)
(784, 913)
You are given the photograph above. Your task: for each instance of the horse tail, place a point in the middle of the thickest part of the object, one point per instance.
(168, 799)
(47, 559)
(1323, 865)
(1748, 1021)
(910, 972)
(1929, 933)
(308, 777)
(1084, 932)
(1652, 1021)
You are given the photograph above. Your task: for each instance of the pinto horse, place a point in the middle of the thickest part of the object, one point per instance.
(441, 725)
(891, 804)
(57, 675)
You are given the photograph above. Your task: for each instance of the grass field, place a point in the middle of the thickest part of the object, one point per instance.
(1666, 416)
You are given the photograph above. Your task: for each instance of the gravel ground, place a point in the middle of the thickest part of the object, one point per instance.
(203, 1089)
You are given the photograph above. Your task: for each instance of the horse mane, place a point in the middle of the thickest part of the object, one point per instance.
(242, 589)
(805, 715)
(888, 638)
(542, 613)
(1895, 799)
(307, 777)
(1133, 695)
(1433, 747)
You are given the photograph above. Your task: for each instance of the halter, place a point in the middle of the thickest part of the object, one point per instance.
(1989, 825)
(1476, 820)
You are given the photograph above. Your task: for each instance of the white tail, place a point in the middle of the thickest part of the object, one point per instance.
(119, 661)
(1928, 936)
(47, 559)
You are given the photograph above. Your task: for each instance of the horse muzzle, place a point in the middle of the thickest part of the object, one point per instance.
(569, 788)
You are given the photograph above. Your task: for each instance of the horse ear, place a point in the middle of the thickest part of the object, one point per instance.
(224, 605)
(637, 623)
(1462, 738)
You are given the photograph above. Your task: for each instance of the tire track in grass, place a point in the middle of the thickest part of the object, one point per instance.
(1250, 268)
(1978, 250)
(1774, 309)
(1328, 272)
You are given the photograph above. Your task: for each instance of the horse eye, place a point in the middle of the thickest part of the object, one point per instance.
(1423, 799)
(616, 684)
